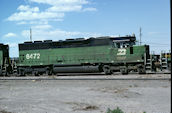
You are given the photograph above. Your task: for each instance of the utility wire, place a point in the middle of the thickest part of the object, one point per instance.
(155, 43)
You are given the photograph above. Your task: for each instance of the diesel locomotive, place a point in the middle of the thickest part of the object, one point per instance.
(100, 54)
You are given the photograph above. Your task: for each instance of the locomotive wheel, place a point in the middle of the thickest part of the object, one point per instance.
(21, 73)
(46, 72)
(36, 73)
(141, 71)
(107, 70)
(50, 72)
(124, 71)
(4, 74)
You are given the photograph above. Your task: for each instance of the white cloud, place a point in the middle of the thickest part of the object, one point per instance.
(42, 27)
(25, 16)
(43, 33)
(67, 8)
(27, 8)
(90, 9)
(60, 2)
(10, 35)
(38, 22)
(56, 34)
(21, 23)
(56, 12)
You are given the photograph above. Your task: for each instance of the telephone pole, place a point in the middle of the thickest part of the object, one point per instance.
(140, 35)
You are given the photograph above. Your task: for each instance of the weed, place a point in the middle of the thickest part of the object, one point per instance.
(117, 110)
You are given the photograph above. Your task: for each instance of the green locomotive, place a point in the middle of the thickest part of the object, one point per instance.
(101, 54)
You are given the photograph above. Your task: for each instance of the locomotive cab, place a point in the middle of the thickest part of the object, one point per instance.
(126, 56)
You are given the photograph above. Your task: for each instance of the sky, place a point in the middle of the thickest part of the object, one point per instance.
(63, 19)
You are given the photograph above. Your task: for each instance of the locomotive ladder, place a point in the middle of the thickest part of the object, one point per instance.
(148, 64)
(4, 68)
(14, 66)
(164, 63)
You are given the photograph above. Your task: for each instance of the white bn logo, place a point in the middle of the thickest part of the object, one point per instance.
(121, 52)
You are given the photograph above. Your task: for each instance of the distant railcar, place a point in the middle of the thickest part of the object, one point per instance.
(102, 54)
(4, 60)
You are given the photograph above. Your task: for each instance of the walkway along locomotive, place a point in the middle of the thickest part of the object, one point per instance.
(101, 54)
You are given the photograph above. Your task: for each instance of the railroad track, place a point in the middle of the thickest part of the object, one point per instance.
(36, 79)
(84, 78)
(93, 76)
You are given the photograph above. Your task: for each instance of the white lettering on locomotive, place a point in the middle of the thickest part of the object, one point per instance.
(33, 56)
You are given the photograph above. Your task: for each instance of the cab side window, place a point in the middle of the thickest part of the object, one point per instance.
(118, 45)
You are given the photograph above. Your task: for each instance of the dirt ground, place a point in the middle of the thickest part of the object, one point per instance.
(85, 96)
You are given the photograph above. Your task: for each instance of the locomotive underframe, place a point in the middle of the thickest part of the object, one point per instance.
(107, 68)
